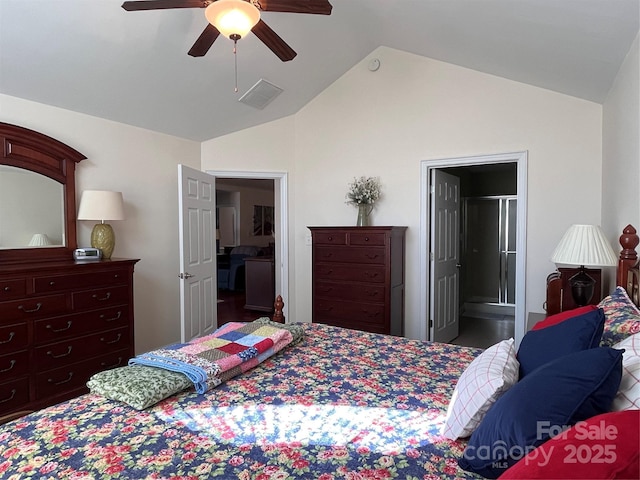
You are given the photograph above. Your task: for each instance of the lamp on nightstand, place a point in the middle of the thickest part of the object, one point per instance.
(584, 246)
(102, 205)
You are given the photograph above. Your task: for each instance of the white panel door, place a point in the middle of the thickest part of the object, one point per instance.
(197, 217)
(445, 229)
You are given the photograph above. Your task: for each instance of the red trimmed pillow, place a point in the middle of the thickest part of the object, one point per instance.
(562, 316)
(602, 447)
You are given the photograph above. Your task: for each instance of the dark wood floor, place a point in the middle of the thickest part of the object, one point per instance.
(231, 309)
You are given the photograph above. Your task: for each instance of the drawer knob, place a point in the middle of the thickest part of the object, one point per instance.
(66, 380)
(13, 394)
(11, 335)
(52, 283)
(371, 274)
(366, 239)
(50, 327)
(13, 362)
(101, 299)
(372, 256)
(69, 348)
(330, 238)
(25, 310)
(106, 365)
(111, 341)
(111, 319)
(7, 289)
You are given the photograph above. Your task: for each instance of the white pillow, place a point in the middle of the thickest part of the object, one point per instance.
(490, 375)
(628, 396)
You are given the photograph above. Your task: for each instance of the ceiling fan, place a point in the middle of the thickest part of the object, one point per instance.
(259, 27)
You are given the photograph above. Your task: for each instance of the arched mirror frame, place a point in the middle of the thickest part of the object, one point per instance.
(34, 151)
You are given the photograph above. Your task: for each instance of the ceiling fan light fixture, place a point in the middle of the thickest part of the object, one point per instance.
(233, 18)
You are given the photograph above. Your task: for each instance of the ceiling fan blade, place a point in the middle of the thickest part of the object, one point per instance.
(204, 41)
(273, 41)
(318, 7)
(137, 5)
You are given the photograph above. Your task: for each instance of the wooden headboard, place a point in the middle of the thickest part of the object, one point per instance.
(628, 275)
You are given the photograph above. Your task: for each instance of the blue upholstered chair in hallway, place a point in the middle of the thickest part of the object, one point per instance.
(231, 277)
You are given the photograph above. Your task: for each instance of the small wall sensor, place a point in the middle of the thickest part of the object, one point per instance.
(374, 65)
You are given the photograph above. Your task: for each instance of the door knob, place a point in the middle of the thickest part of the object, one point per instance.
(185, 275)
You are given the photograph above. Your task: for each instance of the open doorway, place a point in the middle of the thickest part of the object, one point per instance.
(252, 246)
(488, 251)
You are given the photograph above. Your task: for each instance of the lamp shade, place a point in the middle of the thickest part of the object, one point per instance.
(101, 205)
(232, 17)
(585, 245)
(39, 240)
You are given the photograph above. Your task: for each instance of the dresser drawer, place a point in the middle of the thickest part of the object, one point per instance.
(373, 255)
(359, 312)
(14, 394)
(12, 288)
(58, 328)
(14, 365)
(330, 238)
(55, 283)
(13, 337)
(33, 307)
(80, 349)
(347, 273)
(357, 238)
(353, 324)
(56, 382)
(99, 298)
(348, 291)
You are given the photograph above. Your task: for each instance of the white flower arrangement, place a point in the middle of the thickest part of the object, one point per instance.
(364, 191)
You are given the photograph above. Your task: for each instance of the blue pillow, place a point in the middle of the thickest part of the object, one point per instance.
(553, 397)
(572, 335)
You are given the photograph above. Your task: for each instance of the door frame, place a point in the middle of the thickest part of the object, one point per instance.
(280, 191)
(520, 158)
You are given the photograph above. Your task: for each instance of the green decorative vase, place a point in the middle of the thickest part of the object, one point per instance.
(102, 237)
(364, 210)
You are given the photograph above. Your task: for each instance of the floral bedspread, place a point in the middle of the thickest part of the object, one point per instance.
(341, 405)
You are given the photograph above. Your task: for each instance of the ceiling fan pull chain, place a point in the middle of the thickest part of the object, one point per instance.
(235, 60)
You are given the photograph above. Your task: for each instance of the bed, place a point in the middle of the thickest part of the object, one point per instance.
(341, 404)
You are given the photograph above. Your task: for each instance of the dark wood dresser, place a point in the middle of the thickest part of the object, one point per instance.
(61, 322)
(358, 277)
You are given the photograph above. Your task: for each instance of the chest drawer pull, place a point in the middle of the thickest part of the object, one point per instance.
(113, 365)
(371, 274)
(7, 289)
(38, 306)
(13, 394)
(112, 341)
(66, 380)
(13, 362)
(69, 322)
(117, 317)
(11, 335)
(100, 299)
(69, 348)
(372, 256)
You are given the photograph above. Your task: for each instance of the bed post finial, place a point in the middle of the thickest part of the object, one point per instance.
(628, 256)
(278, 316)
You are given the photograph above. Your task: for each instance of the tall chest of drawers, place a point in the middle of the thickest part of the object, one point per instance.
(61, 322)
(358, 277)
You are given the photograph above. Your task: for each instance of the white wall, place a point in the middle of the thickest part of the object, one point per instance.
(412, 109)
(143, 165)
(621, 150)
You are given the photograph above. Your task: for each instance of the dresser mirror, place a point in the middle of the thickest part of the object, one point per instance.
(37, 196)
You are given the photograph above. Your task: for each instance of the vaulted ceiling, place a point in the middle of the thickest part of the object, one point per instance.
(91, 56)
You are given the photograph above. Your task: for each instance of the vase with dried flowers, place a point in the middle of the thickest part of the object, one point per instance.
(363, 193)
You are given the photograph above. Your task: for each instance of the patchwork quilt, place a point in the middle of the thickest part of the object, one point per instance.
(210, 360)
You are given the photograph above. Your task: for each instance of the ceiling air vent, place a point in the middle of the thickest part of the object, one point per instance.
(261, 94)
